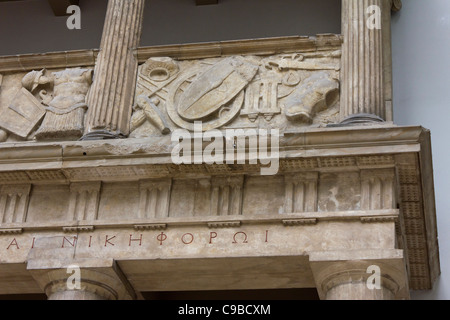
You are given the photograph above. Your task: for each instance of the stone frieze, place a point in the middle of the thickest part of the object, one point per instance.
(285, 91)
(282, 91)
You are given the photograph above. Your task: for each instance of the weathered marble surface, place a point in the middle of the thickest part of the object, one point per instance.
(344, 198)
(281, 91)
(337, 188)
(44, 105)
(284, 91)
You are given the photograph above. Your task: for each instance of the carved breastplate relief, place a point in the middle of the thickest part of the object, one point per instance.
(47, 105)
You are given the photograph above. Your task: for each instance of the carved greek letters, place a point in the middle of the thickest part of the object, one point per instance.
(212, 235)
(69, 241)
(161, 239)
(187, 238)
(13, 243)
(134, 239)
(242, 236)
(108, 240)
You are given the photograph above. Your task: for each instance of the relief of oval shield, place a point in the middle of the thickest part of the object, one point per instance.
(215, 87)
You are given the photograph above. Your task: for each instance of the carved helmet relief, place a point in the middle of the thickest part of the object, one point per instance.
(281, 91)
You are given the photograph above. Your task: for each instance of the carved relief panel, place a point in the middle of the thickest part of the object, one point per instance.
(280, 91)
(284, 91)
(44, 105)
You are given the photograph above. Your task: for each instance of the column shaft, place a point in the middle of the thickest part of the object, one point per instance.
(362, 80)
(112, 93)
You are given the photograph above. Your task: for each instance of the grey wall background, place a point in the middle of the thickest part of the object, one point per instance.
(421, 59)
(421, 54)
(180, 21)
(29, 26)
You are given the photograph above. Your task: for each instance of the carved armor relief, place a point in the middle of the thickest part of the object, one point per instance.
(44, 105)
(285, 91)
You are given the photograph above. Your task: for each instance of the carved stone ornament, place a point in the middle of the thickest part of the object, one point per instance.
(280, 91)
(317, 93)
(22, 115)
(25, 110)
(48, 106)
(283, 91)
(65, 112)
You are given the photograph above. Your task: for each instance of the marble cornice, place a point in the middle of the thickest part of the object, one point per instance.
(87, 58)
(155, 153)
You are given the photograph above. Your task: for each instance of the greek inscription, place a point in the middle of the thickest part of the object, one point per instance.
(161, 238)
(242, 235)
(187, 238)
(108, 240)
(71, 243)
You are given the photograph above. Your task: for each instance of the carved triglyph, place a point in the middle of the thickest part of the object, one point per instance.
(280, 91)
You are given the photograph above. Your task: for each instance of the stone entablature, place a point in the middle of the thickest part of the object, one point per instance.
(345, 175)
(350, 189)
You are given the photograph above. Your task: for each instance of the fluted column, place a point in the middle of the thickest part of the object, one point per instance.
(362, 76)
(112, 93)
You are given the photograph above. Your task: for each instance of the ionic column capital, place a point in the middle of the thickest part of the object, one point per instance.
(360, 274)
(96, 280)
